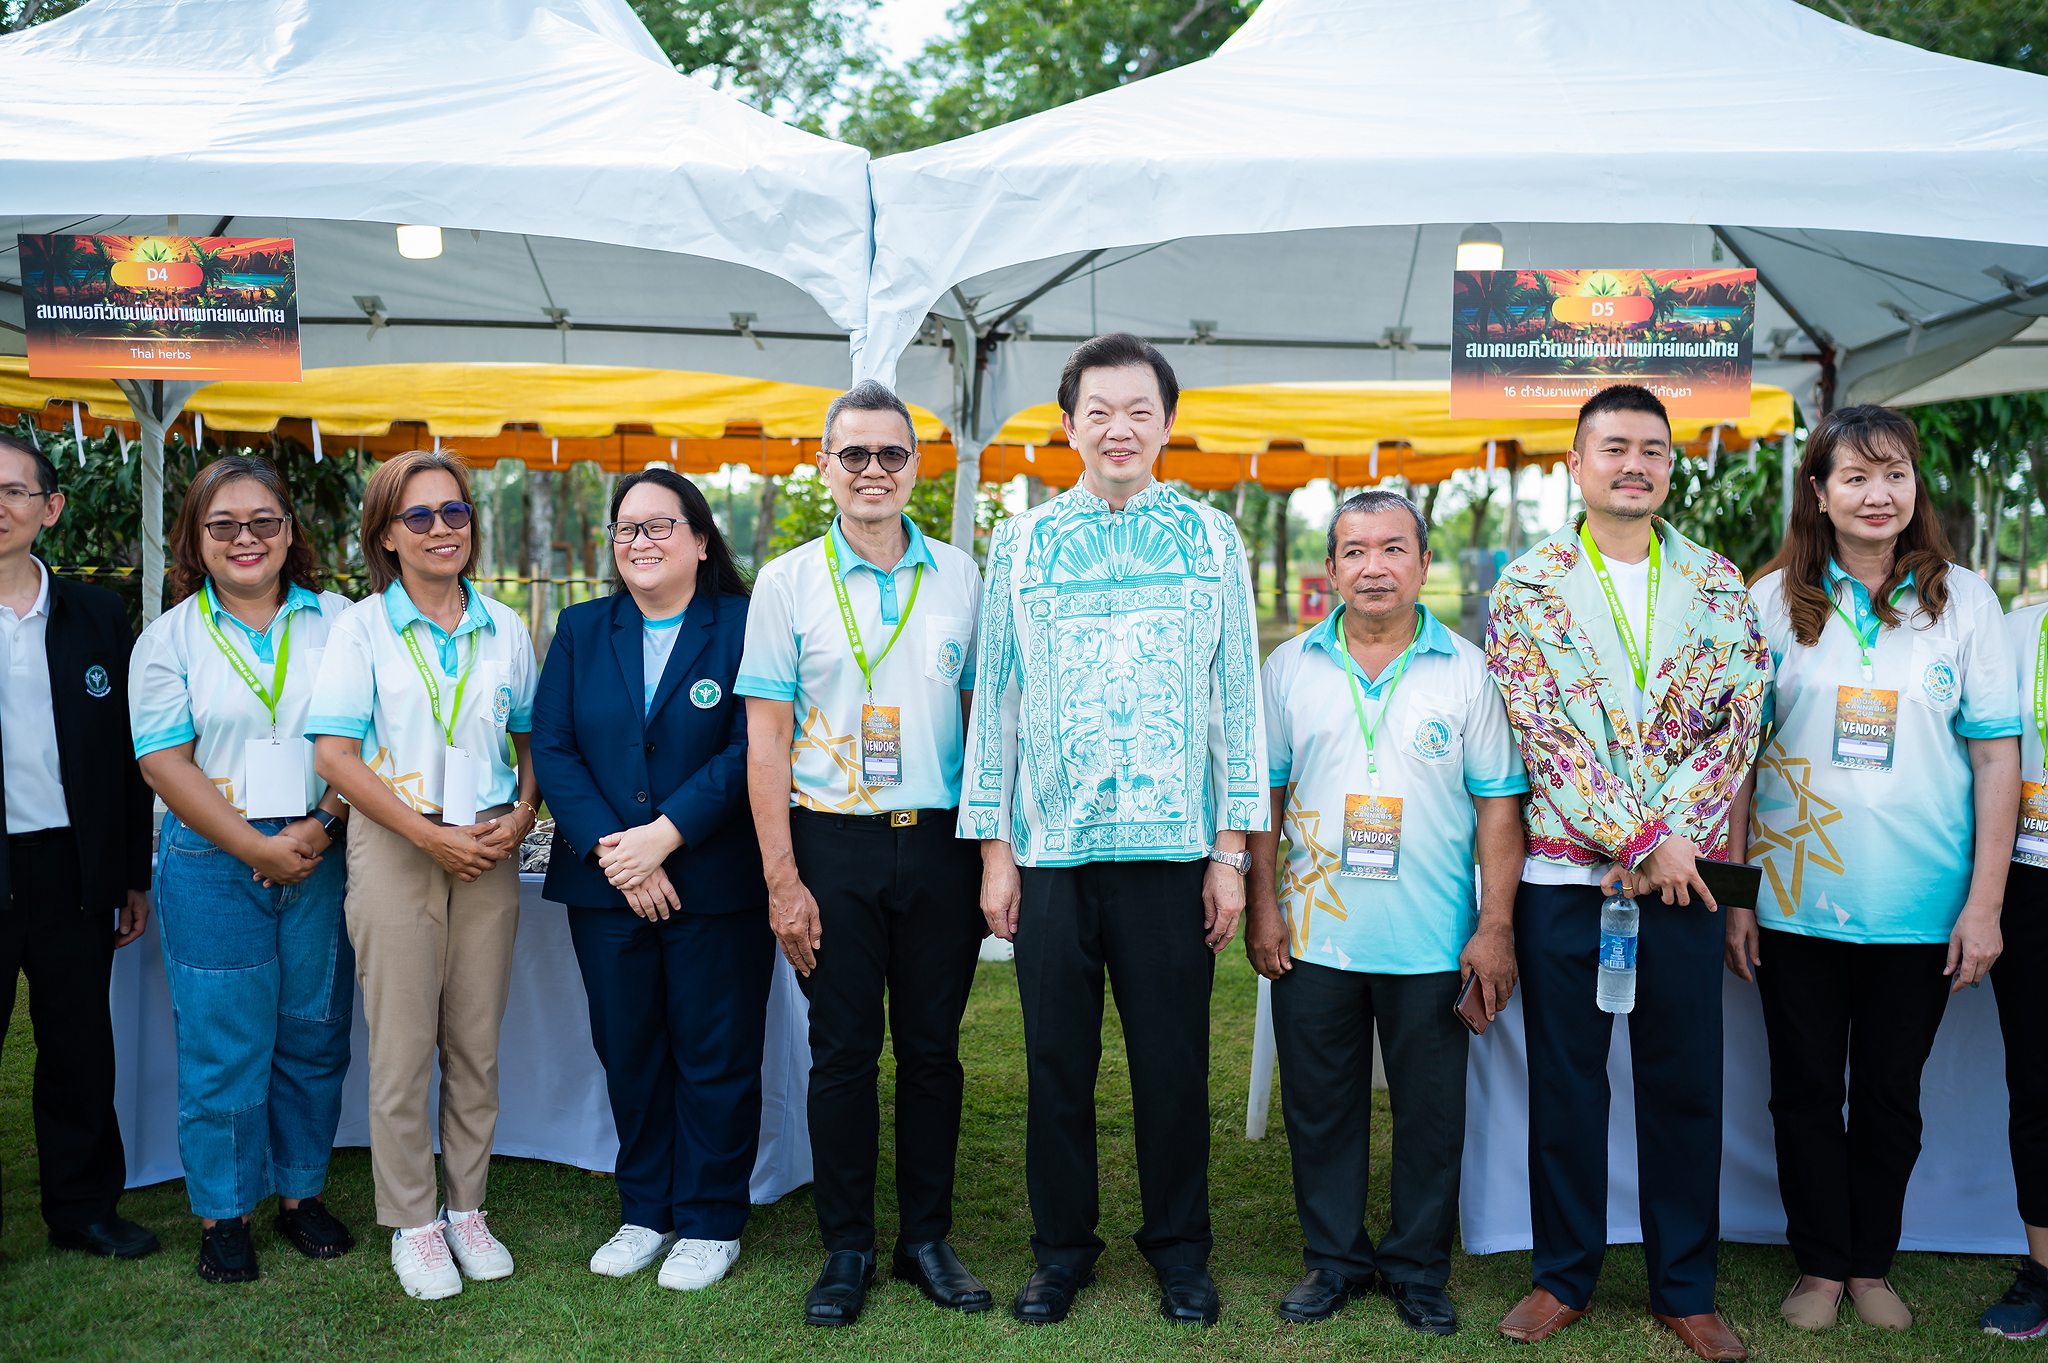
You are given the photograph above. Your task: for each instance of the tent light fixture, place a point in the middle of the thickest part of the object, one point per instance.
(417, 242)
(1480, 248)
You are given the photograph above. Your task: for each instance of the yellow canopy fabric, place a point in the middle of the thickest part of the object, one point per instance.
(479, 400)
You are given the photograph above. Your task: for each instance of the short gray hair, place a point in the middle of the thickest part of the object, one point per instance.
(1372, 502)
(869, 396)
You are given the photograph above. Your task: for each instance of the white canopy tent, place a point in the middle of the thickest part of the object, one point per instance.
(598, 206)
(1289, 209)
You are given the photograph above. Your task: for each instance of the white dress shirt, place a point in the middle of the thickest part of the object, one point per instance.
(28, 720)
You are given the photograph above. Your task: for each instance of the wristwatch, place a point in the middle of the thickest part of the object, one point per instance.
(1240, 862)
(328, 822)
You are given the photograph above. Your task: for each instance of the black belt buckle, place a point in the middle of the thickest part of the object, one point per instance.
(902, 818)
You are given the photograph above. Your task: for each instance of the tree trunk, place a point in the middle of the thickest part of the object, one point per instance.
(540, 554)
(764, 521)
(1280, 611)
(483, 486)
(1034, 490)
(1480, 507)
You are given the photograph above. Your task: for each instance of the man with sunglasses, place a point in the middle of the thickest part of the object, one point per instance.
(75, 812)
(1115, 764)
(858, 671)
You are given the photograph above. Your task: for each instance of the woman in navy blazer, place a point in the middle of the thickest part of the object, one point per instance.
(641, 750)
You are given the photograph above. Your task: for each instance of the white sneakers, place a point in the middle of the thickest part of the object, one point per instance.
(474, 1247)
(697, 1263)
(629, 1251)
(420, 1257)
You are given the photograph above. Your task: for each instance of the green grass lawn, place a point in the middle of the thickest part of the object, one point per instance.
(67, 1306)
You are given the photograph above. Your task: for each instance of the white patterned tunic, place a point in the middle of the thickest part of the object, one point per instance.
(1118, 713)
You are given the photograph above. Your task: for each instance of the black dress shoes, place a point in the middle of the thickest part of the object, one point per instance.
(842, 1288)
(225, 1254)
(1321, 1293)
(1424, 1308)
(114, 1238)
(1187, 1295)
(940, 1275)
(1048, 1294)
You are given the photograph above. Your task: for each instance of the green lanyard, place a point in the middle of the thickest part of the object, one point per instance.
(426, 675)
(271, 697)
(1639, 660)
(2041, 688)
(1865, 642)
(853, 630)
(1371, 730)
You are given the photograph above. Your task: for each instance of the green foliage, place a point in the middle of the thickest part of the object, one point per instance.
(1735, 511)
(16, 15)
(1975, 447)
(786, 57)
(804, 509)
(1010, 58)
(2002, 32)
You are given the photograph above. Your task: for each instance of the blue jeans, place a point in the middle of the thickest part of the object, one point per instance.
(262, 983)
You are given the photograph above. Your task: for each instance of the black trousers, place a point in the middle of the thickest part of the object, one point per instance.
(67, 952)
(1674, 1038)
(1873, 1008)
(1142, 921)
(2021, 980)
(899, 909)
(1322, 1024)
(678, 1014)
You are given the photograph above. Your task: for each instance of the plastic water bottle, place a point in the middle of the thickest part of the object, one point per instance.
(1620, 919)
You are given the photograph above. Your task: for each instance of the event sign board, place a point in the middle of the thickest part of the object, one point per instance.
(159, 307)
(1538, 343)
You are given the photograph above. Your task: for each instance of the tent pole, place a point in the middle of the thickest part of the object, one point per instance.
(1788, 469)
(967, 444)
(156, 404)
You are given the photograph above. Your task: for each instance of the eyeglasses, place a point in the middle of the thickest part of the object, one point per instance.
(660, 528)
(263, 527)
(853, 459)
(420, 519)
(16, 499)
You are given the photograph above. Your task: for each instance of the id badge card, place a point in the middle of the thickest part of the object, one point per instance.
(274, 778)
(881, 745)
(1866, 728)
(2030, 848)
(1372, 837)
(459, 773)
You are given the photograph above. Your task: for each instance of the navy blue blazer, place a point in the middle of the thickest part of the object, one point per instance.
(602, 767)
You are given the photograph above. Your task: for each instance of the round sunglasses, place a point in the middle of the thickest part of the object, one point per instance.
(853, 459)
(420, 519)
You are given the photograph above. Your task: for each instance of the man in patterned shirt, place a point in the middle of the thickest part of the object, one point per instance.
(1117, 756)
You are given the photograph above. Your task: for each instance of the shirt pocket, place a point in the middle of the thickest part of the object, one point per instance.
(1433, 735)
(1936, 678)
(945, 648)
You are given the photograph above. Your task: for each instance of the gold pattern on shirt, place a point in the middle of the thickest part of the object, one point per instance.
(406, 787)
(1811, 820)
(1307, 826)
(844, 750)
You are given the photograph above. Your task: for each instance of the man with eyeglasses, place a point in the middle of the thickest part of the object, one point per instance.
(858, 672)
(76, 816)
(1115, 764)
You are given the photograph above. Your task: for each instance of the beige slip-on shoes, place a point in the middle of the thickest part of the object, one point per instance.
(1880, 1306)
(1810, 1310)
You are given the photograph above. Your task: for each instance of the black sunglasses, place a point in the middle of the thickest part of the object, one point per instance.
(660, 528)
(420, 519)
(853, 459)
(263, 527)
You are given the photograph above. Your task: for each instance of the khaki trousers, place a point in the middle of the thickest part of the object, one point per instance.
(434, 958)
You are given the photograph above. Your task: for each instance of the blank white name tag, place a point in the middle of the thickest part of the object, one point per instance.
(459, 773)
(274, 778)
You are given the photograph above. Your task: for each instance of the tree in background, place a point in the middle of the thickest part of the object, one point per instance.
(795, 60)
(804, 510)
(2002, 32)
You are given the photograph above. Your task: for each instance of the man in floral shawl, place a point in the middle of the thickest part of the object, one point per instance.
(1634, 673)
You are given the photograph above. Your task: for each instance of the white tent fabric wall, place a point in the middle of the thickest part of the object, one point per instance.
(1871, 177)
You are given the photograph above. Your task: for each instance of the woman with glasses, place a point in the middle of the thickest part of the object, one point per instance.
(250, 877)
(422, 686)
(1886, 795)
(642, 747)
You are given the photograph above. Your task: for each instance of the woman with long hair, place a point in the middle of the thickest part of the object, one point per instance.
(423, 684)
(642, 747)
(1884, 814)
(250, 876)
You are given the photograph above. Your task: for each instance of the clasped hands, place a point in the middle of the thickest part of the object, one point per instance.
(631, 860)
(467, 851)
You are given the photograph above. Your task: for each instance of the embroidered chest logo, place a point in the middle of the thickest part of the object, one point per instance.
(1939, 682)
(951, 657)
(1432, 739)
(705, 694)
(96, 683)
(501, 705)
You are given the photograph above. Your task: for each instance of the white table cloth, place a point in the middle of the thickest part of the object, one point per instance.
(551, 1095)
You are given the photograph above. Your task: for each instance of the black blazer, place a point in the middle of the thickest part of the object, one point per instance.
(108, 802)
(603, 767)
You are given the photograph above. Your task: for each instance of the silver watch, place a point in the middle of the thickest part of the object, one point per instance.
(1240, 862)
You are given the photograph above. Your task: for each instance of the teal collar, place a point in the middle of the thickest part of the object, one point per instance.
(400, 610)
(919, 553)
(297, 599)
(1154, 491)
(1836, 574)
(1430, 637)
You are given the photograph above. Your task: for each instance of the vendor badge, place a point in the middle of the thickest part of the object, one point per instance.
(1866, 728)
(2030, 848)
(1372, 837)
(881, 745)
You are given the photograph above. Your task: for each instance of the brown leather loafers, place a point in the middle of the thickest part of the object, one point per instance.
(1708, 1336)
(1537, 1317)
